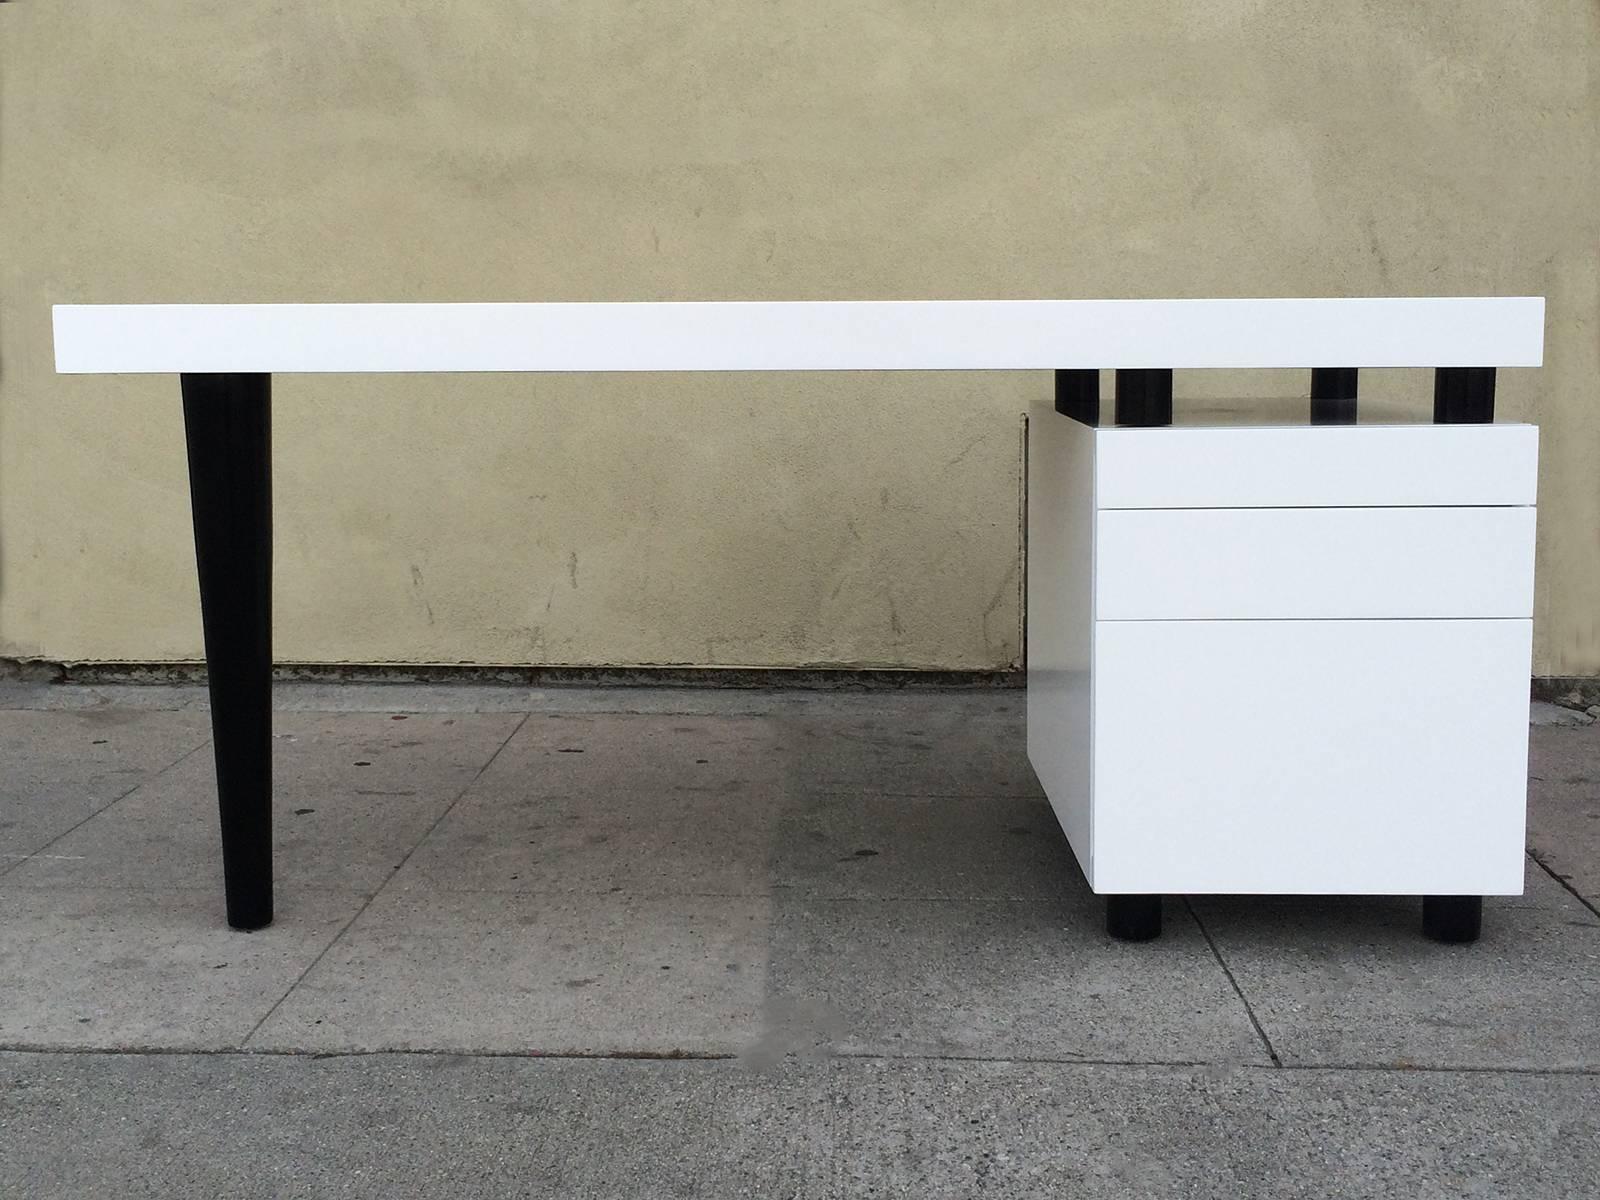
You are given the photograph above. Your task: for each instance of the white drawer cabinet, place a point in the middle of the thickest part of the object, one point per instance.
(1283, 660)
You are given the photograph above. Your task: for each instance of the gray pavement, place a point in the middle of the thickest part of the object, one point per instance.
(644, 942)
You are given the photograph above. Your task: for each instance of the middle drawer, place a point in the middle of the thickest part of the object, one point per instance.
(1266, 563)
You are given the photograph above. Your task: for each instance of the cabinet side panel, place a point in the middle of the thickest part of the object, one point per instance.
(1060, 618)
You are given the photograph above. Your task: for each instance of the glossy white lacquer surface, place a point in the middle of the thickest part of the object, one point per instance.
(1347, 781)
(1261, 563)
(1322, 465)
(1060, 588)
(1233, 751)
(801, 335)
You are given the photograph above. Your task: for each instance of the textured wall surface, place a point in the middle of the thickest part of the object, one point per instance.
(511, 150)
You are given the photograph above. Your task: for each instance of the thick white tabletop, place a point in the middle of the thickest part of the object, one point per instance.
(869, 335)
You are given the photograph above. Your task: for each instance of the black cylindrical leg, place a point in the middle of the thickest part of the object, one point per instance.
(228, 420)
(1463, 396)
(1078, 395)
(1133, 918)
(1333, 395)
(1144, 397)
(1452, 918)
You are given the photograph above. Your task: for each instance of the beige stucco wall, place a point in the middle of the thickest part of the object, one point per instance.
(506, 149)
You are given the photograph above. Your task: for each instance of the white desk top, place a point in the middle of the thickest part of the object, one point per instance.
(888, 335)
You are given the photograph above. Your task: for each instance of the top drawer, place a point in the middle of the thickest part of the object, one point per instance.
(1313, 563)
(1316, 466)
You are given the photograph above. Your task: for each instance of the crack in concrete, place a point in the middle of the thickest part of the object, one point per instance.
(1249, 1009)
(367, 903)
(718, 1056)
(1563, 880)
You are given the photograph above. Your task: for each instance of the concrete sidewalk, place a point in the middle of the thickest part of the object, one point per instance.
(659, 943)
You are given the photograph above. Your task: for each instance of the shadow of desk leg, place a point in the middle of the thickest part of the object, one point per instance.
(228, 422)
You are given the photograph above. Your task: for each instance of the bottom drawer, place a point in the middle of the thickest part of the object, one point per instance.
(1383, 756)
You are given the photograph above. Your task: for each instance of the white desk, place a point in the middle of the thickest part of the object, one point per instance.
(1368, 568)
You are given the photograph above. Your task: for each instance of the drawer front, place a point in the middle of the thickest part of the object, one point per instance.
(1310, 756)
(1324, 466)
(1256, 564)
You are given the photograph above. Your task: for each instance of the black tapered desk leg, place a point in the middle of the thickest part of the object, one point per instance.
(228, 422)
